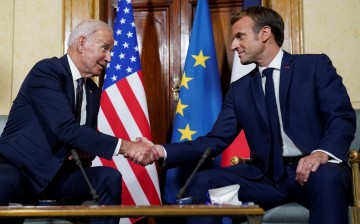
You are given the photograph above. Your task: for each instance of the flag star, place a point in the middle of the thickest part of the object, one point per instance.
(200, 59)
(133, 59)
(185, 80)
(129, 70)
(114, 78)
(112, 53)
(180, 108)
(125, 58)
(108, 65)
(129, 34)
(186, 133)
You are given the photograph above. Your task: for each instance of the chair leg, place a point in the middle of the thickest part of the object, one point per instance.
(354, 210)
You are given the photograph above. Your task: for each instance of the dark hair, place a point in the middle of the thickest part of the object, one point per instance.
(263, 16)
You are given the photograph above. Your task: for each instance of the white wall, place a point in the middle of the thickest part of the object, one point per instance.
(30, 30)
(333, 27)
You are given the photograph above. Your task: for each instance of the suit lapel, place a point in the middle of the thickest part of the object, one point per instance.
(285, 79)
(69, 84)
(89, 101)
(258, 94)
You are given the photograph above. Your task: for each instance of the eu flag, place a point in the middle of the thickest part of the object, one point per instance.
(200, 94)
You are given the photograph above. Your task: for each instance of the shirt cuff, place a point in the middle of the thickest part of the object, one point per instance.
(116, 152)
(165, 153)
(332, 158)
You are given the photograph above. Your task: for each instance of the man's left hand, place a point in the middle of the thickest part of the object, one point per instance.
(309, 164)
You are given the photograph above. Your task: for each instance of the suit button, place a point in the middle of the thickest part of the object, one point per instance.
(267, 140)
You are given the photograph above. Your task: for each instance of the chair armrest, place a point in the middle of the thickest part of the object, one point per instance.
(354, 159)
(236, 160)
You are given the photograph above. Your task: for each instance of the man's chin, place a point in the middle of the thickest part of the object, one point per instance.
(98, 73)
(245, 62)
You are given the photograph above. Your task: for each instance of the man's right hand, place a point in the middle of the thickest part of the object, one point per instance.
(158, 148)
(139, 152)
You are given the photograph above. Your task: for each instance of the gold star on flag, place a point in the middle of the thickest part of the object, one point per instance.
(186, 133)
(185, 80)
(180, 107)
(200, 59)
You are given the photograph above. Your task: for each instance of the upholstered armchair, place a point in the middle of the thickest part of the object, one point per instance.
(293, 213)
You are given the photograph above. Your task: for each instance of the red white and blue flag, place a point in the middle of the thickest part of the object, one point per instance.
(123, 111)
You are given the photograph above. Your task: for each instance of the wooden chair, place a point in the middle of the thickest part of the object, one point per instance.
(354, 209)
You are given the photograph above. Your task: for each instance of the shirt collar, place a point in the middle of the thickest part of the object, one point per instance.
(275, 63)
(74, 71)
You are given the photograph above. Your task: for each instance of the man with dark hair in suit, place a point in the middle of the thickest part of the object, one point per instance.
(299, 132)
(44, 126)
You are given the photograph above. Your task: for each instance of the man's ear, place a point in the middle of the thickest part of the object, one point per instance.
(265, 33)
(81, 43)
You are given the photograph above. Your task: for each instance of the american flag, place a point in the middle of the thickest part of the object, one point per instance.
(123, 111)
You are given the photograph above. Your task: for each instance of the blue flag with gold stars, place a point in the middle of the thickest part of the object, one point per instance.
(200, 95)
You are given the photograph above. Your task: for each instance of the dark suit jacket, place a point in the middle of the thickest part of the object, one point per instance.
(315, 107)
(42, 125)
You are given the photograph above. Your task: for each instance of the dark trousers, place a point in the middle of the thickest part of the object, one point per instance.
(68, 187)
(327, 193)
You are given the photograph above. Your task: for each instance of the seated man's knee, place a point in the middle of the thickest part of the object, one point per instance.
(10, 184)
(111, 184)
(331, 174)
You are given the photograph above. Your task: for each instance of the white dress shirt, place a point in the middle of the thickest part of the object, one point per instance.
(76, 75)
(289, 148)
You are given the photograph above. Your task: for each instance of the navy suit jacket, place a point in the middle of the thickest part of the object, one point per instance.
(42, 125)
(315, 108)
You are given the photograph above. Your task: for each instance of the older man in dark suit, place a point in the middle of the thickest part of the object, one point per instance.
(44, 126)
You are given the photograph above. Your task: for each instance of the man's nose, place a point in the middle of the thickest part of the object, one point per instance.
(108, 56)
(234, 45)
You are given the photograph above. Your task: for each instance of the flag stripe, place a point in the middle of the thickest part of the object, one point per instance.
(109, 113)
(132, 102)
(139, 193)
(136, 81)
(123, 112)
(135, 189)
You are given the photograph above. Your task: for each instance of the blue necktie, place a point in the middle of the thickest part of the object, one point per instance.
(276, 166)
(79, 98)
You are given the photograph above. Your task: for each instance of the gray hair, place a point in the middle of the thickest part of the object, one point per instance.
(87, 28)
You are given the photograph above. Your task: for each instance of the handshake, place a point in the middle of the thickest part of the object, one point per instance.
(142, 151)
